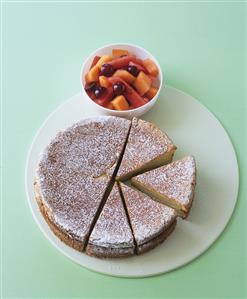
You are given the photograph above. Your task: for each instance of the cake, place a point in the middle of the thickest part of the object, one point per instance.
(147, 147)
(79, 190)
(150, 220)
(111, 235)
(172, 184)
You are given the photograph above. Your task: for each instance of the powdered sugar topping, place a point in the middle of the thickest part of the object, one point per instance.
(73, 201)
(148, 218)
(112, 227)
(68, 168)
(175, 180)
(145, 143)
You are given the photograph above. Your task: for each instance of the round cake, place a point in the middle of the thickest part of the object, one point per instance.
(80, 191)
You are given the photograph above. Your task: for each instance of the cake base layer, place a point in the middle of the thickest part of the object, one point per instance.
(76, 244)
(108, 252)
(157, 240)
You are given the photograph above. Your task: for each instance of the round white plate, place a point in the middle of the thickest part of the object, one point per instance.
(195, 131)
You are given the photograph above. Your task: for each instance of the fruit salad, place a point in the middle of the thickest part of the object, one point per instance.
(121, 81)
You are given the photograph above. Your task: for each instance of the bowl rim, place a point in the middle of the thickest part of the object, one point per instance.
(150, 103)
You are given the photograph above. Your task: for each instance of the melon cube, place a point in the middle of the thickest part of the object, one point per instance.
(103, 81)
(120, 103)
(119, 52)
(131, 94)
(92, 75)
(151, 67)
(103, 59)
(142, 83)
(151, 92)
(125, 75)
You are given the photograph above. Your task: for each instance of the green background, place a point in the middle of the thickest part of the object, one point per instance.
(201, 47)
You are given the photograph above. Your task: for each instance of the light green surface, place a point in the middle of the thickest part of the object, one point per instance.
(201, 49)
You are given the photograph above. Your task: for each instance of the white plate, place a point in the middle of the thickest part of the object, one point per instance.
(195, 131)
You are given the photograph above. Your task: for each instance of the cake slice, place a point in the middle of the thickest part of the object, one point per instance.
(69, 203)
(151, 221)
(147, 147)
(172, 184)
(111, 235)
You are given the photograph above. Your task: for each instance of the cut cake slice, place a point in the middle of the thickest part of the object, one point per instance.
(151, 221)
(70, 216)
(112, 235)
(172, 184)
(147, 147)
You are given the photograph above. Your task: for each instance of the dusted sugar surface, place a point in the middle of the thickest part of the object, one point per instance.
(89, 147)
(146, 142)
(112, 228)
(148, 218)
(175, 180)
(71, 200)
(70, 174)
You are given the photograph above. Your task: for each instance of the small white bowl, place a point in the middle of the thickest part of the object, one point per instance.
(140, 53)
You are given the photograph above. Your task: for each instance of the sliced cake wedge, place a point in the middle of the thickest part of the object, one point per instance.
(147, 147)
(69, 204)
(172, 184)
(151, 221)
(111, 235)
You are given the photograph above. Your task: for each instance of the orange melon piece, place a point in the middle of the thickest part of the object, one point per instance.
(92, 75)
(104, 82)
(120, 103)
(119, 52)
(151, 67)
(103, 59)
(142, 83)
(125, 75)
(151, 92)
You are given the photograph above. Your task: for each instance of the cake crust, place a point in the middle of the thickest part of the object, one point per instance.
(64, 237)
(157, 240)
(108, 252)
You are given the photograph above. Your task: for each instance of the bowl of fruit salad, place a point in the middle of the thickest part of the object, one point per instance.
(122, 80)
